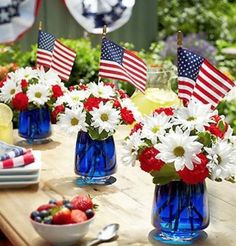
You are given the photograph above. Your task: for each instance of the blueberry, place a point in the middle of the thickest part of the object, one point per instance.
(48, 220)
(38, 219)
(34, 214)
(89, 213)
(69, 206)
(65, 202)
(52, 201)
(44, 214)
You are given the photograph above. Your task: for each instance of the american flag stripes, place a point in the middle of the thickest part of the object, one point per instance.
(53, 54)
(119, 63)
(200, 80)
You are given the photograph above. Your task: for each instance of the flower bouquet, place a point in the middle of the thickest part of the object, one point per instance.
(95, 111)
(32, 92)
(180, 148)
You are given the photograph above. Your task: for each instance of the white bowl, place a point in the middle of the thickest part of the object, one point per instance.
(62, 235)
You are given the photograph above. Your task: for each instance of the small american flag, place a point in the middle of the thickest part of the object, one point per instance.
(200, 80)
(53, 54)
(119, 63)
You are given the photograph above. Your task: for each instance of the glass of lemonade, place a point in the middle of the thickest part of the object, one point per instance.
(158, 92)
(6, 126)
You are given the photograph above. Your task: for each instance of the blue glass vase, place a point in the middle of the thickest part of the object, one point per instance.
(180, 212)
(95, 160)
(35, 125)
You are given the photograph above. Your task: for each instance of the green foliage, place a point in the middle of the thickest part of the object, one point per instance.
(215, 18)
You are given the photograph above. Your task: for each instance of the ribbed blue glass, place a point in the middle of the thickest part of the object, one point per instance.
(94, 158)
(35, 124)
(180, 212)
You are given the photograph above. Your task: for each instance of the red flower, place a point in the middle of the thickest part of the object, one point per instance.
(57, 91)
(136, 127)
(20, 101)
(148, 162)
(24, 84)
(2, 82)
(71, 88)
(127, 115)
(122, 94)
(58, 109)
(116, 103)
(168, 111)
(110, 84)
(83, 87)
(215, 129)
(91, 103)
(198, 174)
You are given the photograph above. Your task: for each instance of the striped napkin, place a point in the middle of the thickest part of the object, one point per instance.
(14, 156)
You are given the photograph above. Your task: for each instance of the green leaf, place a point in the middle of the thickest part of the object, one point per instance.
(93, 133)
(205, 138)
(221, 125)
(165, 175)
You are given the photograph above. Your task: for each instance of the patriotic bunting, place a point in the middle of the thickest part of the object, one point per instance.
(119, 63)
(200, 80)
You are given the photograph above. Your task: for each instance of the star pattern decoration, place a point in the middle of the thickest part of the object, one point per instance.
(189, 64)
(9, 11)
(46, 41)
(106, 18)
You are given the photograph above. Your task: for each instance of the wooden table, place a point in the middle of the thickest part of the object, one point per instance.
(127, 202)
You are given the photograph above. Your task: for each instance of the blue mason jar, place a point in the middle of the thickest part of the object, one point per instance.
(180, 212)
(95, 160)
(35, 125)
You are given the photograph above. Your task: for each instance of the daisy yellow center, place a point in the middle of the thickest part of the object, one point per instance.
(100, 93)
(74, 121)
(191, 118)
(155, 129)
(38, 94)
(219, 159)
(12, 92)
(104, 117)
(75, 98)
(179, 151)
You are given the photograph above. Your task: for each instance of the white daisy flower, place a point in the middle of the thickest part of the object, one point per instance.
(154, 126)
(26, 73)
(100, 90)
(105, 118)
(74, 98)
(38, 94)
(222, 159)
(73, 120)
(127, 103)
(9, 90)
(49, 78)
(195, 116)
(179, 147)
(130, 148)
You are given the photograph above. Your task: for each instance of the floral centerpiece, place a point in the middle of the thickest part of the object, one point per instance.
(95, 111)
(32, 92)
(180, 148)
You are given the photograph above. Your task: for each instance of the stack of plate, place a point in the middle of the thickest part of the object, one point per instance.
(21, 176)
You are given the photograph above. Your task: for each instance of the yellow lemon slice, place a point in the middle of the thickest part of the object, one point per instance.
(6, 114)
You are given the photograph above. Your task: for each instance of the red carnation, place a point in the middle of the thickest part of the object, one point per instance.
(110, 84)
(116, 103)
(168, 111)
(2, 82)
(148, 161)
(58, 109)
(136, 127)
(20, 101)
(57, 91)
(83, 87)
(122, 94)
(71, 88)
(24, 84)
(127, 115)
(198, 174)
(91, 103)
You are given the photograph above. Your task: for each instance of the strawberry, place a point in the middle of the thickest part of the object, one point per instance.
(63, 216)
(82, 202)
(78, 216)
(45, 207)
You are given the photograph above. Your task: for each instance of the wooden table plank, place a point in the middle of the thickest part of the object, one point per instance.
(127, 202)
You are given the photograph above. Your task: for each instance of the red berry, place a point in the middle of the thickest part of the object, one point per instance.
(62, 217)
(82, 202)
(78, 216)
(59, 203)
(45, 207)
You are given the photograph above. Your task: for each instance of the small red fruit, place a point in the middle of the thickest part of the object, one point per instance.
(62, 217)
(78, 216)
(82, 202)
(46, 207)
(59, 203)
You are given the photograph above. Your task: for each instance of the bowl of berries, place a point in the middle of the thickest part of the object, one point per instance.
(64, 222)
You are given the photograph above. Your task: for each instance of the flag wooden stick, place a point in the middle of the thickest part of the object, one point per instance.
(40, 25)
(179, 39)
(104, 33)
